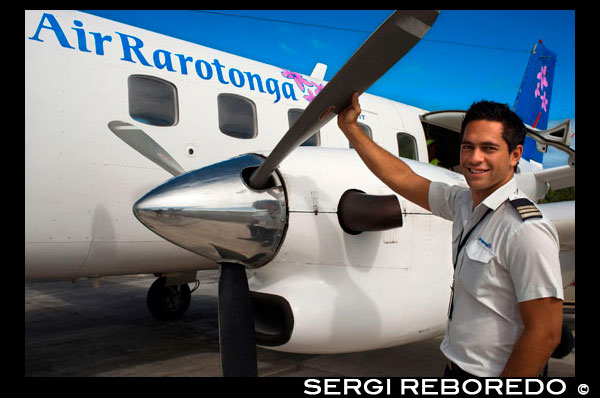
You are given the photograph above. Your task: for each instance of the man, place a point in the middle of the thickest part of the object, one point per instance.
(505, 314)
(432, 152)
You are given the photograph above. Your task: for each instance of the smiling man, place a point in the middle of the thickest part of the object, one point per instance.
(505, 311)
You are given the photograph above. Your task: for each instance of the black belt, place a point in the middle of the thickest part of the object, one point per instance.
(454, 371)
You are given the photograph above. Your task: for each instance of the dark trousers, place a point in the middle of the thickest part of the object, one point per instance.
(452, 371)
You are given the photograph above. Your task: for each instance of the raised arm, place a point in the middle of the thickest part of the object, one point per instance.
(392, 171)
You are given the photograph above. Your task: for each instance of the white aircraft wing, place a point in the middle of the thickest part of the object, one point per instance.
(557, 177)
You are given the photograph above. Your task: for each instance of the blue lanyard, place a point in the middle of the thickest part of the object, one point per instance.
(463, 241)
(460, 246)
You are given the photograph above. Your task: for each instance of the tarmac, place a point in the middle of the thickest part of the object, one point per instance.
(77, 329)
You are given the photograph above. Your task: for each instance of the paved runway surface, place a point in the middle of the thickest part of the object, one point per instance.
(75, 329)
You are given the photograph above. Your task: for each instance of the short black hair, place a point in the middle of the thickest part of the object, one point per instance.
(513, 130)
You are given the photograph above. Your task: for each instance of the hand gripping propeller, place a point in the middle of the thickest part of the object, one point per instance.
(394, 38)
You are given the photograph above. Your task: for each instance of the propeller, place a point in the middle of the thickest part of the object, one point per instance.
(162, 210)
(145, 145)
(236, 315)
(394, 38)
(237, 340)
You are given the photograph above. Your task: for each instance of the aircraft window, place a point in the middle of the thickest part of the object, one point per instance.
(313, 140)
(407, 146)
(152, 100)
(364, 128)
(237, 116)
(443, 146)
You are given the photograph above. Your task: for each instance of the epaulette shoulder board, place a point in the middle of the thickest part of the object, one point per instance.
(526, 209)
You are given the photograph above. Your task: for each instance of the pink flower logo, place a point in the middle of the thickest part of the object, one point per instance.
(297, 77)
(544, 102)
(303, 84)
(542, 77)
(311, 95)
(539, 90)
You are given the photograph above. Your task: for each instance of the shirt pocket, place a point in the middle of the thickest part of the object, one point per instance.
(477, 268)
(478, 252)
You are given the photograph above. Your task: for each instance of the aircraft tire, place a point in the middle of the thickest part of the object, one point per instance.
(168, 303)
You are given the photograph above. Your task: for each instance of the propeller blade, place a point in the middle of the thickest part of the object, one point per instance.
(237, 339)
(144, 144)
(394, 38)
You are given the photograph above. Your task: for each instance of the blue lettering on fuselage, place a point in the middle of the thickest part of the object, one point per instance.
(55, 27)
(133, 50)
(135, 46)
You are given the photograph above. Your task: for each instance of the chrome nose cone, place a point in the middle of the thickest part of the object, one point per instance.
(212, 212)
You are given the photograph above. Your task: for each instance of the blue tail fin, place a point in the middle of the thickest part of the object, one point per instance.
(533, 100)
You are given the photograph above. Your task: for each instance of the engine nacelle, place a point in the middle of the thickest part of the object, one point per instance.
(330, 291)
(316, 287)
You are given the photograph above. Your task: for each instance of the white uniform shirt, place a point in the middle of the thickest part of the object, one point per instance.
(506, 260)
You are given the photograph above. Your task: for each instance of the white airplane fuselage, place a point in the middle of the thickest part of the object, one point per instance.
(81, 180)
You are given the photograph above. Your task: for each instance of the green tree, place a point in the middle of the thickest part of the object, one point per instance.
(559, 195)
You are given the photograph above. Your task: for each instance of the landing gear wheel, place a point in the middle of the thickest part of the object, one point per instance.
(567, 342)
(168, 303)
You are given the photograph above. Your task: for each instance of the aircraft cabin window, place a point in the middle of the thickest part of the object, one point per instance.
(313, 140)
(407, 146)
(364, 128)
(237, 116)
(152, 100)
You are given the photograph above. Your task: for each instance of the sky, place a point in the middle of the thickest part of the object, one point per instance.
(466, 56)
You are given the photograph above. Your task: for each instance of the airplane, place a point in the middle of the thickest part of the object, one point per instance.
(316, 255)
